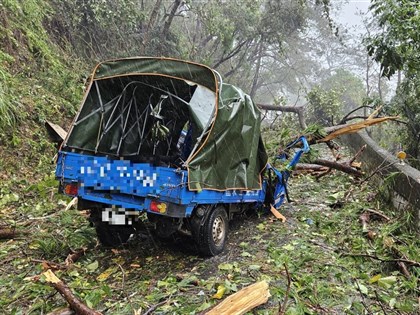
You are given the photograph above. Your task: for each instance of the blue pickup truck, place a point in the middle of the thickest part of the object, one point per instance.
(167, 139)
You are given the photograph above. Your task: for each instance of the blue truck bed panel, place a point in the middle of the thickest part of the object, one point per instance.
(134, 185)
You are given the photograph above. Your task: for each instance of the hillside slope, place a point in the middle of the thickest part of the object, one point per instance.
(39, 81)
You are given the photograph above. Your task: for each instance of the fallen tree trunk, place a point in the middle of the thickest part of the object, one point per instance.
(299, 110)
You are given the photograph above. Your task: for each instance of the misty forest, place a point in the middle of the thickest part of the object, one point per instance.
(341, 238)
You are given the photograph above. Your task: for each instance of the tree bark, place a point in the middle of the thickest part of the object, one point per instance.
(257, 70)
(168, 22)
(367, 83)
(152, 21)
(233, 53)
(344, 167)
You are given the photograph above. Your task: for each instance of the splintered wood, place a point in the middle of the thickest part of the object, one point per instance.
(336, 131)
(243, 300)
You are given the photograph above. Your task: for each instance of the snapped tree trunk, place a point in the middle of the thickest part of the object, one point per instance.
(299, 110)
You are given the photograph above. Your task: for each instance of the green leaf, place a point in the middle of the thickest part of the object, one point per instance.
(226, 266)
(187, 281)
(261, 226)
(203, 307)
(288, 247)
(254, 267)
(362, 288)
(387, 282)
(392, 302)
(105, 275)
(92, 266)
(244, 244)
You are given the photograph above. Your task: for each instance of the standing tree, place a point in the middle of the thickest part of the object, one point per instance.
(397, 48)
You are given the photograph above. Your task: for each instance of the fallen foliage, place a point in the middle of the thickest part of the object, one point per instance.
(333, 267)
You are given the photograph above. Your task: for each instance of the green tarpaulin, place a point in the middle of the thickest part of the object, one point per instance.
(175, 113)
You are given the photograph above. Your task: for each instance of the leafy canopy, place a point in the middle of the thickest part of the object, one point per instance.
(397, 45)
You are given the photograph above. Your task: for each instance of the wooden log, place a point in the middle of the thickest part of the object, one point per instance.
(338, 166)
(310, 167)
(243, 300)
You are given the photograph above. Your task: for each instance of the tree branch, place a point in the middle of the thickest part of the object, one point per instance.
(410, 262)
(283, 306)
(299, 110)
(343, 120)
(344, 167)
(66, 293)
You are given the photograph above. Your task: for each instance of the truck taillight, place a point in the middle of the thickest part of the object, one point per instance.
(159, 207)
(71, 189)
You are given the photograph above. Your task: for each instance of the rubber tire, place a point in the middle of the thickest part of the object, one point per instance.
(207, 244)
(113, 235)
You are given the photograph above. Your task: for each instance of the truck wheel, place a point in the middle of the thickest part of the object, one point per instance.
(212, 234)
(113, 235)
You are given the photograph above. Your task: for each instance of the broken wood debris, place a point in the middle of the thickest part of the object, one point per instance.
(277, 214)
(340, 130)
(72, 203)
(379, 214)
(243, 300)
(327, 134)
(400, 260)
(75, 304)
(282, 307)
(74, 256)
(70, 260)
(344, 166)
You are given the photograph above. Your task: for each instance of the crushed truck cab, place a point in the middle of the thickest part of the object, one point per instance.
(167, 138)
